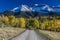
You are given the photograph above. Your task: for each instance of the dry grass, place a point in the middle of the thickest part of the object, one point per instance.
(9, 32)
(54, 35)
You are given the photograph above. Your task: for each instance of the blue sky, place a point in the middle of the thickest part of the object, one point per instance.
(10, 4)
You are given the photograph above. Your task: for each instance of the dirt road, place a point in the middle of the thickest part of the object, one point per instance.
(29, 35)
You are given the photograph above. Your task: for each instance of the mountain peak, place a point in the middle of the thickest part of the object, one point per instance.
(37, 7)
(48, 8)
(15, 8)
(26, 8)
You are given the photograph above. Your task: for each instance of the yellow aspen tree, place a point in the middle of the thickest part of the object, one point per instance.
(57, 25)
(12, 20)
(6, 20)
(44, 25)
(22, 22)
(33, 23)
(36, 23)
(1, 22)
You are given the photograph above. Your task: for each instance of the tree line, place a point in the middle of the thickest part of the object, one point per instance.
(44, 23)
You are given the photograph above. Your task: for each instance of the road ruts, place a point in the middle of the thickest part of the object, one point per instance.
(29, 35)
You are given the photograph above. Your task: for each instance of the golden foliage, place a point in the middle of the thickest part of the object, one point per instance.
(12, 20)
(6, 20)
(22, 22)
(33, 23)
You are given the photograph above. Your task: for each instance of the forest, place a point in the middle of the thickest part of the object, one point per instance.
(51, 23)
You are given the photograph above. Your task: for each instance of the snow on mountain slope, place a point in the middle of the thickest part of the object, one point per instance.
(43, 7)
(48, 8)
(15, 9)
(26, 8)
(36, 7)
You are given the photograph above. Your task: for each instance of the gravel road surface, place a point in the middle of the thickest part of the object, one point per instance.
(29, 35)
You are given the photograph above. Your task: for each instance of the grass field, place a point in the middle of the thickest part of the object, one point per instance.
(9, 32)
(51, 35)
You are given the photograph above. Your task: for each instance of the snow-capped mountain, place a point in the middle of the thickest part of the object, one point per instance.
(15, 9)
(43, 8)
(22, 8)
(36, 7)
(26, 8)
(46, 7)
(35, 10)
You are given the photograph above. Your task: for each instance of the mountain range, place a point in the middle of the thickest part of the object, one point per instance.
(33, 11)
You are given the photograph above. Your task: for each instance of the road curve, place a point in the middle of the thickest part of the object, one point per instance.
(29, 35)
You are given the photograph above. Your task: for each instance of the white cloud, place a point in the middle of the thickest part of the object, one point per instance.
(36, 4)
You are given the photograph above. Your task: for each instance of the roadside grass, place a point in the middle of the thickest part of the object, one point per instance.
(42, 34)
(9, 32)
(50, 34)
